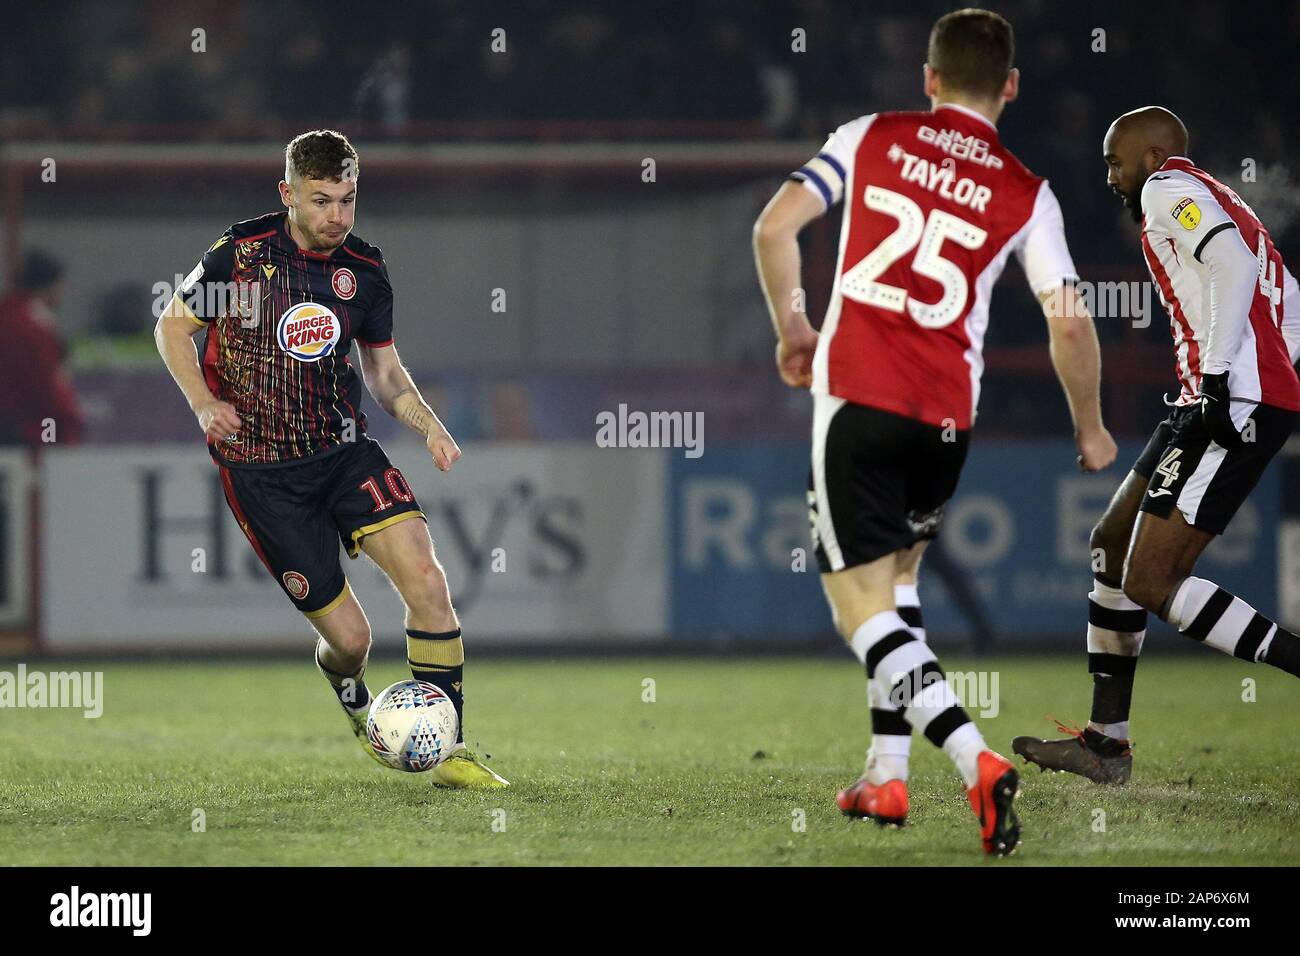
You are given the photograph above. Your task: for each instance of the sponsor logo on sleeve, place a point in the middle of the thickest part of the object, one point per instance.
(1187, 213)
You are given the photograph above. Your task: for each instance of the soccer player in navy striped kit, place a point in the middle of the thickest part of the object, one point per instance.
(280, 299)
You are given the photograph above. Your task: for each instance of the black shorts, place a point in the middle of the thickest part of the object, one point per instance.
(296, 515)
(1208, 483)
(878, 481)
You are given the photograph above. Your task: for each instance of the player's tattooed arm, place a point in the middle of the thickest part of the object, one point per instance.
(391, 385)
(404, 402)
(410, 409)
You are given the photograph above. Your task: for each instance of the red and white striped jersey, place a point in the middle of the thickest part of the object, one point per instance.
(1227, 298)
(935, 204)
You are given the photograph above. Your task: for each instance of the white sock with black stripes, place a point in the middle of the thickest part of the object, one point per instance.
(904, 671)
(1116, 630)
(891, 734)
(891, 741)
(1205, 612)
(908, 602)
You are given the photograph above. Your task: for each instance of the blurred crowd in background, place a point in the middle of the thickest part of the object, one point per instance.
(655, 69)
(727, 70)
(295, 62)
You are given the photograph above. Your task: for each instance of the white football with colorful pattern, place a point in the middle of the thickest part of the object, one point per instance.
(412, 726)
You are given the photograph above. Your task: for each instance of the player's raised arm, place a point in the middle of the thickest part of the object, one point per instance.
(392, 387)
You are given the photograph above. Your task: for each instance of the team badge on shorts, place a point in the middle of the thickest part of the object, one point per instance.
(1187, 213)
(345, 283)
(295, 584)
(309, 332)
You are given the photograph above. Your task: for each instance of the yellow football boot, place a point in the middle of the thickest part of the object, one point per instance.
(463, 769)
(358, 721)
(356, 718)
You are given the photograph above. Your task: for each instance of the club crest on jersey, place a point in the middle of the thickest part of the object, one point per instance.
(1187, 213)
(309, 332)
(295, 584)
(345, 283)
(246, 301)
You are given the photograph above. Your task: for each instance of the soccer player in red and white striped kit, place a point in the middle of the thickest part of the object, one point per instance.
(934, 206)
(1234, 311)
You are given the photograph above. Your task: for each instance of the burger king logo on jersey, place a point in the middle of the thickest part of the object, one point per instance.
(309, 332)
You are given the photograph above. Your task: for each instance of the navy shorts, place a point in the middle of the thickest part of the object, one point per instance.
(296, 515)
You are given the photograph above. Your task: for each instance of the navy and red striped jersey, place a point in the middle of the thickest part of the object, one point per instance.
(280, 322)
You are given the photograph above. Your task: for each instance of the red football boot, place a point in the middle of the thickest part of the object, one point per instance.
(886, 804)
(991, 799)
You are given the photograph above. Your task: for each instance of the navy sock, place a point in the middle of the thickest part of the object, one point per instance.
(439, 659)
(350, 689)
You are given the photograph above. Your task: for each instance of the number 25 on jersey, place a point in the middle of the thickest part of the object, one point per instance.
(927, 236)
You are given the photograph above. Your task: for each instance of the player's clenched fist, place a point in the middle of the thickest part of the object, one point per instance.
(218, 419)
(442, 447)
(794, 356)
(1096, 449)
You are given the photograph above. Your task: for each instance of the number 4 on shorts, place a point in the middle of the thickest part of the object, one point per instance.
(1168, 469)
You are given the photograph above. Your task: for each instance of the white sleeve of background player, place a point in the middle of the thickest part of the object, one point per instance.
(1234, 280)
(1178, 206)
(1043, 252)
(1181, 208)
(826, 173)
(1291, 314)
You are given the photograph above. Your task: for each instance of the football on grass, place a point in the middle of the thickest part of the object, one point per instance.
(412, 726)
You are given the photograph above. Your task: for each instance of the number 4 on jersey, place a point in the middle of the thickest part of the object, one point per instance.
(1268, 284)
(927, 236)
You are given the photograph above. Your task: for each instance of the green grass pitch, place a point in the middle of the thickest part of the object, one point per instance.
(720, 769)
